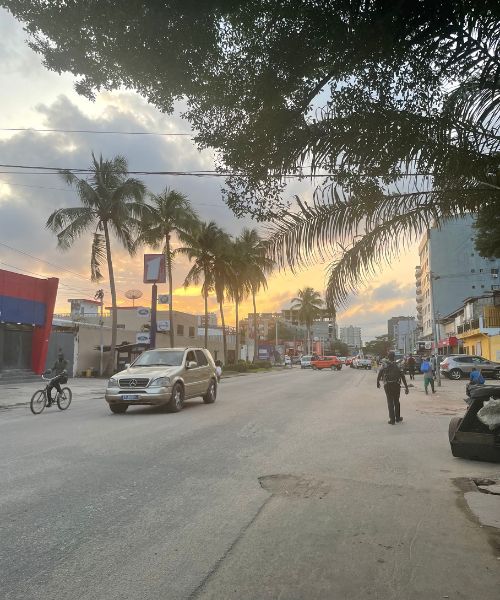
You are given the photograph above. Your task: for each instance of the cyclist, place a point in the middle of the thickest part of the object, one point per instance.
(59, 370)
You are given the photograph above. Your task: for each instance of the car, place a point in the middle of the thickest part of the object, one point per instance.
(164, 377)
(343, 359)
(305, 361)
(295, 360)
(456, 366)
(326, 362)
(362, 363)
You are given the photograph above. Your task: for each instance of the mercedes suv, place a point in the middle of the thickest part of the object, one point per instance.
(456, 366)
(164, 376)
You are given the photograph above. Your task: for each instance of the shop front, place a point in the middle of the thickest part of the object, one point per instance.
(26, 310)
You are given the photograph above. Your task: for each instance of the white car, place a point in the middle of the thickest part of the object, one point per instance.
(305, 362)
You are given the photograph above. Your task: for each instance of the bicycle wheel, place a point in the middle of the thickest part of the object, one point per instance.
(38, 402)
(64, 398)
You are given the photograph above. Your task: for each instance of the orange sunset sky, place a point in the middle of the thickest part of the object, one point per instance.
(41, 99)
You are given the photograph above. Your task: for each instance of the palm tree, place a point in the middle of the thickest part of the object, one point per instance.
(238, 288)
(223, 276)
(257, 266)
(199, 246)
(170, 213)
(110, 203)
(309, 305)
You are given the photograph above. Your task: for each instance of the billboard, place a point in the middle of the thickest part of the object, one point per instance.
(154, 268)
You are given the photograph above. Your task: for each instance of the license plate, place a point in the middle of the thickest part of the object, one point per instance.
(130, 397)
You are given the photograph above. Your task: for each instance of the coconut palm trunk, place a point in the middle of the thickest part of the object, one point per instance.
(237, 318)
(224, 339)
(256, 334)
(205, 294)
(168, 258)
(114, 317)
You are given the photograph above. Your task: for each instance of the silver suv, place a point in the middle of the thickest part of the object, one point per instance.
(457, 366)
(165, 376)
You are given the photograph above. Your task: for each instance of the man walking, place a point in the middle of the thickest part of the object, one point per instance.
(411, 366)
(392, 377)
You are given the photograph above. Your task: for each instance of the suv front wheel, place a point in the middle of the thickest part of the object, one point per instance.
(177, 401)
(456, 374)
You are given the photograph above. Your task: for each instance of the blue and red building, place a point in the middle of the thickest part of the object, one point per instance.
(26, 311)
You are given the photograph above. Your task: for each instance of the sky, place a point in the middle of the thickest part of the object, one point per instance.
(33, 97)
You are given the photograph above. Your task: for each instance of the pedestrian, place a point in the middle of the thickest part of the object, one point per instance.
(476, 377)
(218, 370)
(392, 377)
(59, 373)
(411, 366)
(428, 372)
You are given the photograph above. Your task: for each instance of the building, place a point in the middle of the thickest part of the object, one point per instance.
(26, 310)
(451, 270)
(474, 328)
(352, 337)
(212, 320)
(81, 308)
(418, 296)
(402, 330)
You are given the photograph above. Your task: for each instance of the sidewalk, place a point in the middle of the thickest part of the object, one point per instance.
(448, 399)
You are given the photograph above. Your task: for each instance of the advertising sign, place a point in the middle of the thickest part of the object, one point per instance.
(163, 298)
(142, 338)
(143, 312)
(154, 268)
(163, 325)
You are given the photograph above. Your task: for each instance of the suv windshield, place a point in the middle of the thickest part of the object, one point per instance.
(156, 358)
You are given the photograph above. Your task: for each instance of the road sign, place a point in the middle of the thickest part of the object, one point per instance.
(154, 268)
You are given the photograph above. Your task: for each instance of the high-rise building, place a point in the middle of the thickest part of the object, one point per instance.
(451, 270)
(403, 333)
(351, 336)
(418, 296)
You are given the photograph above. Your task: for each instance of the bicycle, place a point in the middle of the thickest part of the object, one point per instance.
(40, 398)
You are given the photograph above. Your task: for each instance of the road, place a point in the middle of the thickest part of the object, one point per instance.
(291, 486)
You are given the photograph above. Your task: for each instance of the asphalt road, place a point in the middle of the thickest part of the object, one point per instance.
(291, 486)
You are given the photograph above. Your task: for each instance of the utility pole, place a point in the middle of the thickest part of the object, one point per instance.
(99, 295)
(435, 328)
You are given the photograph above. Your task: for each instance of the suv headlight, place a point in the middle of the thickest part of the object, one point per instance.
(112, 382)
(160, 382)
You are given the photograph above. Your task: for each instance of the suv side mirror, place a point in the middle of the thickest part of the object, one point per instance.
(191, 364)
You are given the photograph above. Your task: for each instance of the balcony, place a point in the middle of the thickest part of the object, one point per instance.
(485, 325)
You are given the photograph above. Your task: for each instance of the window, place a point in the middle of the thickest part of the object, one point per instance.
(190, 355)
(180, 330)
(474, 270)
(473, 287)
(201, 358)
(191, 332)
(494, 271)
(481, 270)
(464, 359)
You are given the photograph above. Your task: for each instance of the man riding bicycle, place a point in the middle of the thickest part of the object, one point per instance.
(59, 371)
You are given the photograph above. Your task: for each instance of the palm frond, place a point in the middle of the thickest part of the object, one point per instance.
(69, 224)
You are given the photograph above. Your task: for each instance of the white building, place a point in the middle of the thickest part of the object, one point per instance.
(404, 335)
(351, 336)
(212, 320)
(451, 270)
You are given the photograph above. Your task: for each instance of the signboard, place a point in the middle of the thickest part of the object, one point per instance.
(142, 338)
(424, 346)
(143, 312)
(163, 298)
(154, 268)
(163, 325)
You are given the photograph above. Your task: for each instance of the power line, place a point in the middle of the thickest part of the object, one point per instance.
(93, 131)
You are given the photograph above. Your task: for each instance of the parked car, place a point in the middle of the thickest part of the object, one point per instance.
(326, 362)
(343, 359)
(305, 362)
(165, 376)
(295, 360)
(456, 366)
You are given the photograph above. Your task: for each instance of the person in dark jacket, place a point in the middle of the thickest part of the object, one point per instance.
(59, 371)
(392, 376)
(411, 366)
